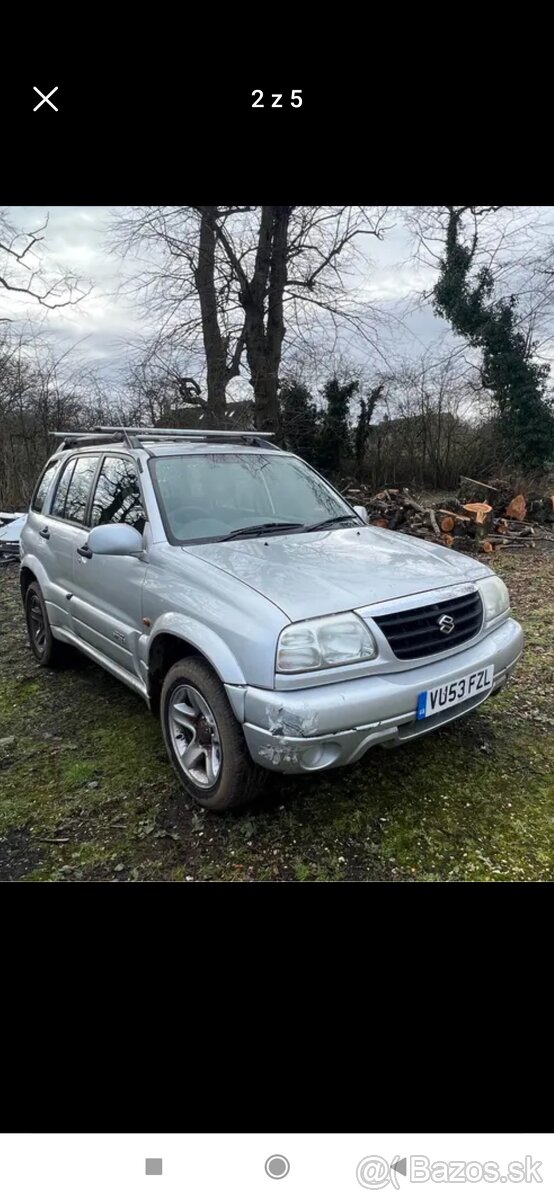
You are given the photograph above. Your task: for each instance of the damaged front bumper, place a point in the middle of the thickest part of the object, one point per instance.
(335, 724)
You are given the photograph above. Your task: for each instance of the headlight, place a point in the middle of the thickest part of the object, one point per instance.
(325, 642)
(495, 595)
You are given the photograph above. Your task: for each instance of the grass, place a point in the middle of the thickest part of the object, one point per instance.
(86, 792)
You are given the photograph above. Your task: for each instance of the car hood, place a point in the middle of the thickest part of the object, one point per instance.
(312, 574)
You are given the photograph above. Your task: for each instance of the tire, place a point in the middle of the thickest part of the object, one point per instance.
(46, 649)
(220, 773)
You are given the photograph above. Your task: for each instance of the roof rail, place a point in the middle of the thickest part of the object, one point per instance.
(134, 435)
(74, 438)
(144, 430)
(211, 439)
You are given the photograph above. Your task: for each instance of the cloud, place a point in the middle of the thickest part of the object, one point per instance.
(108, 325)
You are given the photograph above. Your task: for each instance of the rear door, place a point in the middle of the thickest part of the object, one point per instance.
(107, 600)
(36, 537)
(63, 530)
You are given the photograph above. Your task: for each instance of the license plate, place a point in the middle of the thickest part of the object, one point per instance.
(435, 699)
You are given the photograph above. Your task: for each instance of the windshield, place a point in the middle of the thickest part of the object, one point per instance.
(213, 495)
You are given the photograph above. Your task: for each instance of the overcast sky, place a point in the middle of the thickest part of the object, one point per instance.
(105, 322)
(75, 241)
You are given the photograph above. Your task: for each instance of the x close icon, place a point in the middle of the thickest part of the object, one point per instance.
(45, 99)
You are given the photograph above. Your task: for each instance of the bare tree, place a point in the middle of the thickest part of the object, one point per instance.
(435, 411)
(232, 282)
(42, 388)
(22, 271)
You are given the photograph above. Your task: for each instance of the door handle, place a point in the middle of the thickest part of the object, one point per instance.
(84, 551)
(45, 533)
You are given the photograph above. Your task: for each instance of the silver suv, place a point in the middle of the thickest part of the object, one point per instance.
(249, 604)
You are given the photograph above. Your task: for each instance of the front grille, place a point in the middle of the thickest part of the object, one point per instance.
(416, 632)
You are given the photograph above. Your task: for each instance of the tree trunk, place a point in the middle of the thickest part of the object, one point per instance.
(264, 344)
(266, 405)
(275, 321)
(215, 345)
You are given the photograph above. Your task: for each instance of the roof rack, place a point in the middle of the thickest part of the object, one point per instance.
(141, 430)
(135, 436)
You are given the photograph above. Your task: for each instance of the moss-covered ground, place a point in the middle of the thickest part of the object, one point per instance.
(86, 792)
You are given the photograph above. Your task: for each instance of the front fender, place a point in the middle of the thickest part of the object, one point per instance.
(208, 643)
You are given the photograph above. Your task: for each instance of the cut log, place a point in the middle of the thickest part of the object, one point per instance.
(433, 522)
(380, 521)
(482, 515)
(479, 512)
(498, 494)
(448, 539)
(508, 537)
(519, 526)
(487, 546)
(409, 503)
(477, 483)
(452, 505)
(517, 508)
(447, 524)
(457, 516)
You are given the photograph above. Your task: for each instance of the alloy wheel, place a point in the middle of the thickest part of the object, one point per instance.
(195, 736)
(37, 624)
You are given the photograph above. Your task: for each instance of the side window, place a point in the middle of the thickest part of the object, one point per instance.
(43, 486)
(72, 494)
(58, 507)
(117, 497)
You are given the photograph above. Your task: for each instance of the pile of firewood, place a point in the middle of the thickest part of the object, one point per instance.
(482, 517)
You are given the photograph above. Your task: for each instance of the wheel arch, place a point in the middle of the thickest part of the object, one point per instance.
(26, 578)
(32, 571)
(171, 641)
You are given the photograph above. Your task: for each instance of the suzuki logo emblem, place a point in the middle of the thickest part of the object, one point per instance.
(446, 623)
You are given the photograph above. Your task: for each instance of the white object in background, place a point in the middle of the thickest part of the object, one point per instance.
(11, 531)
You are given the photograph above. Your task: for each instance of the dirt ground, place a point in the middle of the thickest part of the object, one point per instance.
(87, 794)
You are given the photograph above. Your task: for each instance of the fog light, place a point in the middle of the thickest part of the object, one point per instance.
(320, 756)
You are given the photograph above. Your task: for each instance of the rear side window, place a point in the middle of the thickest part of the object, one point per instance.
(58, 507)
(72, 494)
(117, 495)
(42, 487)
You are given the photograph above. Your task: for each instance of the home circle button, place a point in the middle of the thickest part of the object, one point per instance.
(277, 1166)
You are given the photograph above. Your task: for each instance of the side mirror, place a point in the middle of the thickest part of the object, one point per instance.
(362, 512)
(115, 539)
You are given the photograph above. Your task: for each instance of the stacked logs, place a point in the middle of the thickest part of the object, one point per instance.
(479, 519)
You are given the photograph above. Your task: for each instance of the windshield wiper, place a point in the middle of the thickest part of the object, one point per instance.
(258, 530)
(332, 521)
(278, 526)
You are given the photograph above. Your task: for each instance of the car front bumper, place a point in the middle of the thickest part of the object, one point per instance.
(335, 724)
